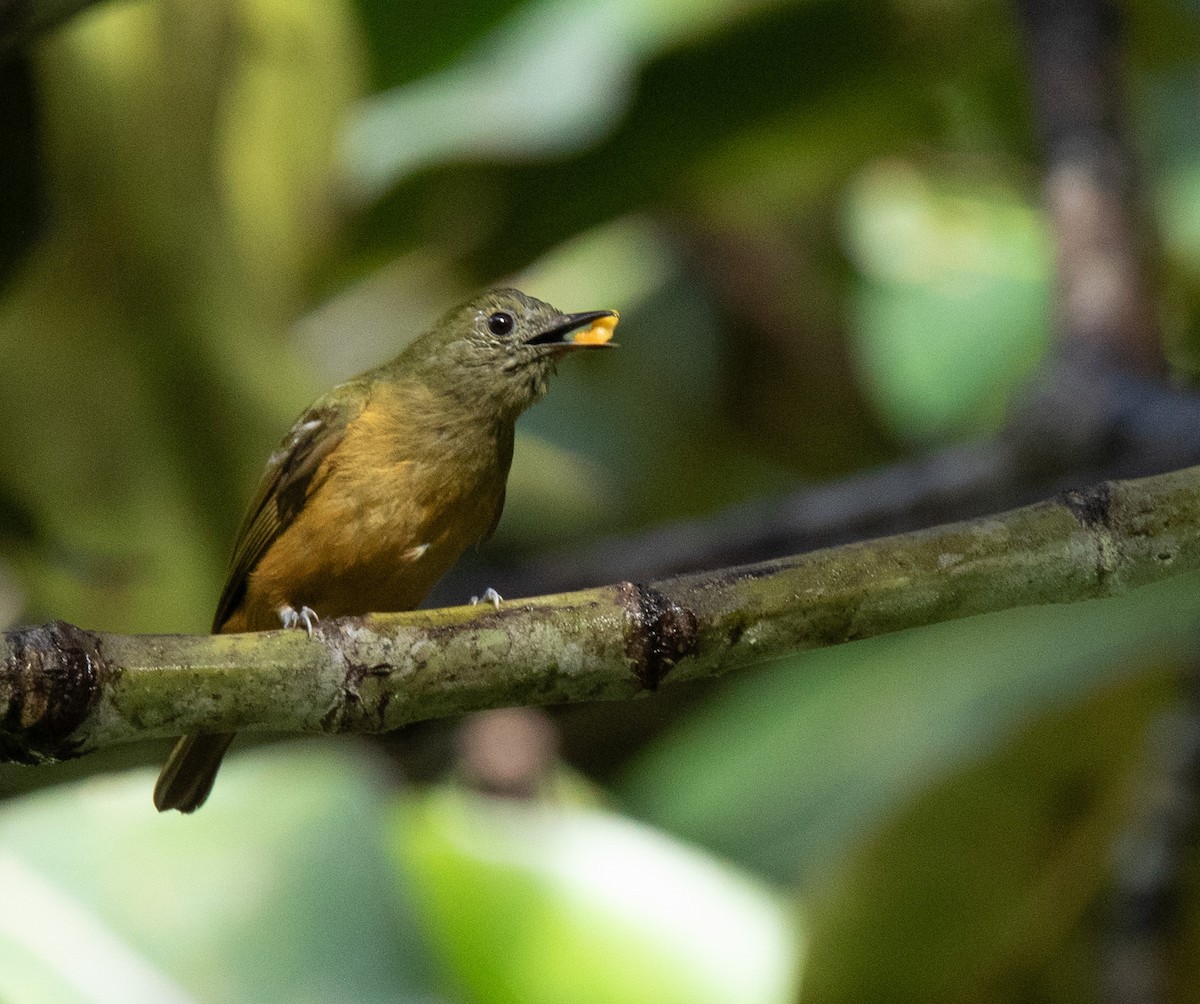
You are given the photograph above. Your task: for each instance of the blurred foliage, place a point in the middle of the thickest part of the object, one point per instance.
(992, 886)
(819, 220)
(281, 893)
(541, 903)
(965, 269)
(22, 208)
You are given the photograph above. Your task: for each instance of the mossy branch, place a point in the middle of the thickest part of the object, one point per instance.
(65, 691)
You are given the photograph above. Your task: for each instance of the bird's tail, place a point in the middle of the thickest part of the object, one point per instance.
(187, 776)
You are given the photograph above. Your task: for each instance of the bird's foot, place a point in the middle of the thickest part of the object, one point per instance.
(290, 617)
(489, 596)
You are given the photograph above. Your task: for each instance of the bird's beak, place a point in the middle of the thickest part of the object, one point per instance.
(590, 330)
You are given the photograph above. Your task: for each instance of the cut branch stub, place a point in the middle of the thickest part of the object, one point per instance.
(50, 681)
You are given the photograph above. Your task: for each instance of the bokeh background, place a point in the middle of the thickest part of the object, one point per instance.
(819, 220)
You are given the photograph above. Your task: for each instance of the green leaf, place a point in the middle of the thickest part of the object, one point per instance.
(503, 180)
(952, 308)
(551, 77)
(540, 903)
(277, 890)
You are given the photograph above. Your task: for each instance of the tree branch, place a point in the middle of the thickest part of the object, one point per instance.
(65, 691)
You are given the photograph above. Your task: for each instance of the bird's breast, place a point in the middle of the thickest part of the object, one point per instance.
(386, 520)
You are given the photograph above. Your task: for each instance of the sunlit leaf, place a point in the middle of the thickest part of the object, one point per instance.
(552, 76)
(276, 890)
(540, 903)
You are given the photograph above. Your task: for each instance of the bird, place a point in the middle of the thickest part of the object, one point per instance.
(382, 483)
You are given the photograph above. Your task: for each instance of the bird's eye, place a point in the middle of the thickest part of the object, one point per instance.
(501, 322)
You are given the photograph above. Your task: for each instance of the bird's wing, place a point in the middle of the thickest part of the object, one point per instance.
(288, 481)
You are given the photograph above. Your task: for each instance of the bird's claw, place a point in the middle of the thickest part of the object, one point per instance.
(290, 617)
(489, 596)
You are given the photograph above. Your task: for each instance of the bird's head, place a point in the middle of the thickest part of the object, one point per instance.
(500, 348)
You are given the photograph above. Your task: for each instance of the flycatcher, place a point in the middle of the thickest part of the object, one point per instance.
(382, 483)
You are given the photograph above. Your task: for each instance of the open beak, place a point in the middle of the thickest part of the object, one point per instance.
(589, 330)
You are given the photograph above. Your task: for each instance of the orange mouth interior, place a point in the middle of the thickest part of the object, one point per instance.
(599, 333)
